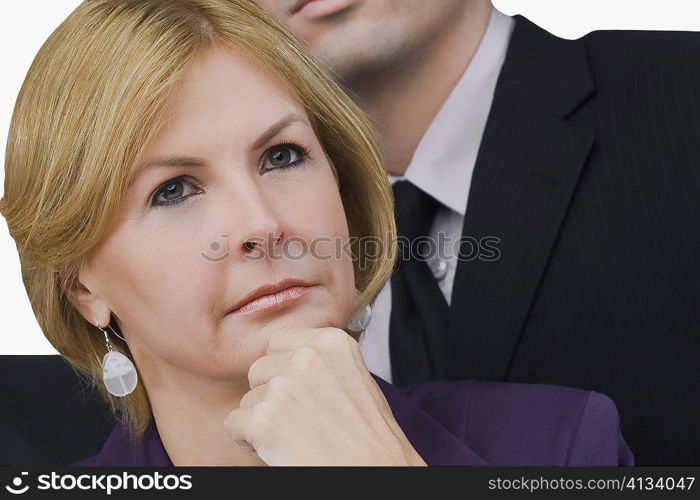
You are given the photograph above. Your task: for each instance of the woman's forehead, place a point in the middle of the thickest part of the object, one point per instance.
(225, 99)
(226, 82)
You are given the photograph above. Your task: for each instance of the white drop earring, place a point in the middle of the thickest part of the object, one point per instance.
(360, 320)
(118, 372)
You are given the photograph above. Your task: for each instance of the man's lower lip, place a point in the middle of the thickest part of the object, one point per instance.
(322, 8)
(273, 301)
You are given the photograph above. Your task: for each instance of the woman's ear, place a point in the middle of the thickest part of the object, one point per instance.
(87, 302)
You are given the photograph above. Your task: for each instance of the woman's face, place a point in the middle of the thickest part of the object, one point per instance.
(237, 194)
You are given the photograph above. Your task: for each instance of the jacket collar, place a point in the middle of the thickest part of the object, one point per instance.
(551, 72)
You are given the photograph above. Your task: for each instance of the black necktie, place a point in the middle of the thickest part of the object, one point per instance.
(418, 322)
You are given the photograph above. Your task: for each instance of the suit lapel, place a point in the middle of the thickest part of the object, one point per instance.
(436, 444)
(527, 169)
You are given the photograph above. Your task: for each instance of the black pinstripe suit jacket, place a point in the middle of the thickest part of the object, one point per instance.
(589, 174)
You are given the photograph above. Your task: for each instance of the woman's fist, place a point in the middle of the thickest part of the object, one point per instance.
(312, 401)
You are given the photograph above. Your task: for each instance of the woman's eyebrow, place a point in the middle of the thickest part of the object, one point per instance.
(276, 128)
(168, 161)
(188, 161)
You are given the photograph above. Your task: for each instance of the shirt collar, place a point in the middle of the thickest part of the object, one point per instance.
(443, 162)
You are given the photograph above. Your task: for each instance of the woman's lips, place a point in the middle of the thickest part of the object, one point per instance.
(316, 9)
(273, 301)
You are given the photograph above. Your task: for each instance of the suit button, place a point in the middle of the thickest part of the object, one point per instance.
(439, 269)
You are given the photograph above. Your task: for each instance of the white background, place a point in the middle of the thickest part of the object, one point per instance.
(25, 25)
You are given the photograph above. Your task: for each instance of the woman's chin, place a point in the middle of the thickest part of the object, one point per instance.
(298, 317)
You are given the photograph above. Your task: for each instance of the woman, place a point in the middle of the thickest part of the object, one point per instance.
(183, 182)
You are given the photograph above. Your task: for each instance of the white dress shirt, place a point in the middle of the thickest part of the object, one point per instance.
(442, 166)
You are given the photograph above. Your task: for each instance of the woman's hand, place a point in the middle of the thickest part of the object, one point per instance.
(313, 402)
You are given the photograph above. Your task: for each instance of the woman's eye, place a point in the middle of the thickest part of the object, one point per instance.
(284, 156)
(172, 192)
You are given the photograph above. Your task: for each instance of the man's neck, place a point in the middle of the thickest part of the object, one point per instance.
(402, 102)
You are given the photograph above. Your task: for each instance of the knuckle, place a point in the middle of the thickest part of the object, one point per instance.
(246, 400)
(303, 357)
(262, 416)
(333, 331)
(231, 423)
(255, 370)
(332, 339)
(277, 386)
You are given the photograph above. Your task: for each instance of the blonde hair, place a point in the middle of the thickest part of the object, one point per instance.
(96, 94)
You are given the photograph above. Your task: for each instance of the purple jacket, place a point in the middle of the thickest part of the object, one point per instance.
(464, 423)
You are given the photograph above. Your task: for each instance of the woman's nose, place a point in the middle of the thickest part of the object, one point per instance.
(262, 244)
(260, 233)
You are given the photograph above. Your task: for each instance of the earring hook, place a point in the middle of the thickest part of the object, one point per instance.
(110, 327)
